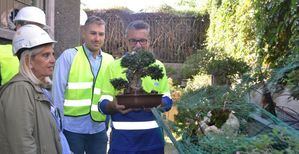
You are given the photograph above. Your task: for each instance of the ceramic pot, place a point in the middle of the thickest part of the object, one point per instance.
(139, 100)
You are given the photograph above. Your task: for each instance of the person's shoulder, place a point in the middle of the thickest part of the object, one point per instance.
(159, 62)
(25, 84)
(115, 64)
(67, 54)
(5, 49)
(17, 84)
(6, 45)
(69, 51)
(107, 54)
(22, 89)
(21, 80)
(117, 61)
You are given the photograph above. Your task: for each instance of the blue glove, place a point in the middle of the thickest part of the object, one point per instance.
(102, 106)
(166, 104)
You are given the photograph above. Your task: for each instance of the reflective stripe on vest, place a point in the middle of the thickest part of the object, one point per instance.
(107, 97)
(82, 102)
(83, 85)
(82, 93)
(135, 125)
(79, 85)
(8, 62)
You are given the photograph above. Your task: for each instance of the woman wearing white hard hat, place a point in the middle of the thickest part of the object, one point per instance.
(9, 64)
(27, 125)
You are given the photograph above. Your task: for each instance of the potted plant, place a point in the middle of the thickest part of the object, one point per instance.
(205, 124)
(139, 65)
(225, 70)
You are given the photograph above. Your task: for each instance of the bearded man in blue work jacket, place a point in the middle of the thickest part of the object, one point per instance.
(134, 130)
(76, 90)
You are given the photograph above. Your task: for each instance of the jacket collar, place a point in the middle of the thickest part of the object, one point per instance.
(20, 78)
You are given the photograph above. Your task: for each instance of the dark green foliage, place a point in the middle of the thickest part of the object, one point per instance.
(138, 60)
(119, 83)
(231, 29)
(226, 70)
(227, 66)
(154, 71)
(265, 35)
(214, 63)
(287, 76)
(145, 58)
(275, 141)
(196, 63)
(129, 61)
(292, 81)
(193, 106)
(138, 64)
(277, 41)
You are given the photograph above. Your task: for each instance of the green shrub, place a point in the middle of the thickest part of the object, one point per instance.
(196, 63)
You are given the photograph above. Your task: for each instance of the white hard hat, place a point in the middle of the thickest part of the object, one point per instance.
(29, 36)
(31, 14)
(83, 17)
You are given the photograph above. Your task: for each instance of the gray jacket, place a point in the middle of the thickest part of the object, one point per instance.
(26, 123)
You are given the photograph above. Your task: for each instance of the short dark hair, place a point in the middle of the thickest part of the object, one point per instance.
(13, 14)
(94, 19)
(137, 25)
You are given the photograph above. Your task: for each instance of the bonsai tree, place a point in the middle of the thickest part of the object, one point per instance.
(139, 65)
(226, 69)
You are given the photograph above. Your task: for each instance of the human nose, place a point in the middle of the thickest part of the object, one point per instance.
(138, 44)
(52, 58)
(97, 37)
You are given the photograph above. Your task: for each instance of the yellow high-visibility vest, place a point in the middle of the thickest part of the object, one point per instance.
(9, 64)
(83, 90)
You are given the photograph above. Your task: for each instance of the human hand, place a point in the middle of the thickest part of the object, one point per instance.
(120, 108)
(165, 105)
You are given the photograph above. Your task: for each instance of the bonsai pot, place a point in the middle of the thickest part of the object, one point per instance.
(139, 100)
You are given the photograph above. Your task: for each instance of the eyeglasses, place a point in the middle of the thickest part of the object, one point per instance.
(141, 41)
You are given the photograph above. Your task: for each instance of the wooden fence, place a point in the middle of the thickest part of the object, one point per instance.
(173, 37)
